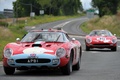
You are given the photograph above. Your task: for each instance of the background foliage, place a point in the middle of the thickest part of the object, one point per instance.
(106, 7)
(55, 7)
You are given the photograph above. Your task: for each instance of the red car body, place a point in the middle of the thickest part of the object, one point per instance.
(101, 39)
(41, 49)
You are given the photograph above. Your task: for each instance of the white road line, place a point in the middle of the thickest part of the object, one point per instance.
(64, 23)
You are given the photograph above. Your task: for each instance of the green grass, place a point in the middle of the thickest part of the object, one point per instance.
(12, 31)
(46, 19)
(7, 35)
(111, 23)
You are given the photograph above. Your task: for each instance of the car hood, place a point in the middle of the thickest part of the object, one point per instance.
(36, 47)
(102, 38)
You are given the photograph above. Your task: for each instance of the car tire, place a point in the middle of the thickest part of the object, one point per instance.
(9, 70)
(77, 66)
(67, 69)
(87, 48)
(114, 49)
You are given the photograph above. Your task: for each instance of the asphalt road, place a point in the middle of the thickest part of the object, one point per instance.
(97, 64)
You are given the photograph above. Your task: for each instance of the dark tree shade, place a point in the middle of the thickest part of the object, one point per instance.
(55, 7)
(106, 7)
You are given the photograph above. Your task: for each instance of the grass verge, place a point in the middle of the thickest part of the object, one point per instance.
(111, 23)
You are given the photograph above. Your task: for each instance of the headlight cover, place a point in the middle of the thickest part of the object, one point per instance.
(8, 52)
(88, 40)
(60, 52)
(114, 40)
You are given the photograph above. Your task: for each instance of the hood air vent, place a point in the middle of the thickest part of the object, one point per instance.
(36, 45)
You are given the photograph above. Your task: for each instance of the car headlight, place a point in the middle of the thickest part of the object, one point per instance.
(114, 40)
(8, 52)
(60, 52)
(88, 40)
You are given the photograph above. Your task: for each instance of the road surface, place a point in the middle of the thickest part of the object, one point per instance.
(97, 64)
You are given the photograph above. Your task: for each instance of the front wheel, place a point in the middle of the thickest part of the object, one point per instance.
(77, 66)
(87, 48)
(114, 49)
(67, 69)
(9, 70)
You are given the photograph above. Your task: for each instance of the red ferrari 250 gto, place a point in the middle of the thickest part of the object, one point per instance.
(101, 39)
(43, 49)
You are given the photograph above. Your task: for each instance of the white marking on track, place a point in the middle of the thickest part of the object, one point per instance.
(63, 24)
(118, 46)
(90, 51)
(95, 52)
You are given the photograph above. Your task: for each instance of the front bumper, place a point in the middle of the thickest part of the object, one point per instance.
(101, 45)
(39, 60)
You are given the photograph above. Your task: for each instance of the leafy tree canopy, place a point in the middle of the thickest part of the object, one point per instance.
(106, 7)
(54, 7)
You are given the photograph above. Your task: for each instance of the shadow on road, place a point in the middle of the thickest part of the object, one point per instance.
(101, 50)
(37, 73)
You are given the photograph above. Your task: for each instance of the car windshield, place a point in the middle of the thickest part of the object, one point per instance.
(43, 36)
(100, 33)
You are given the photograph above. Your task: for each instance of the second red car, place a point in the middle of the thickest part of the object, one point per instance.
(101, 39)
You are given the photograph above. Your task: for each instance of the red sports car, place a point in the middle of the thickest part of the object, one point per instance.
(101, 39)
(43, 49)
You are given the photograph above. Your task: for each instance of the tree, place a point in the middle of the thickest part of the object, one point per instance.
(54, 7)
(23, 7)
(105, 7)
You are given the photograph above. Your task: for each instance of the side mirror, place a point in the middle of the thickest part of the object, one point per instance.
(17, 40)
(114, 34)
(73, 39)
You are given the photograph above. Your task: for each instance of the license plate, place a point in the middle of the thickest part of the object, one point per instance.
(32, 61)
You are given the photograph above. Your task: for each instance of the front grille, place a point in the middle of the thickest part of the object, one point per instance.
(105, 45)
(102, 44)
(33, 60)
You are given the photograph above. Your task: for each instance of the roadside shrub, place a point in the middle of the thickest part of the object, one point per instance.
(111, 23)
(3, 24)
(5, 34)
